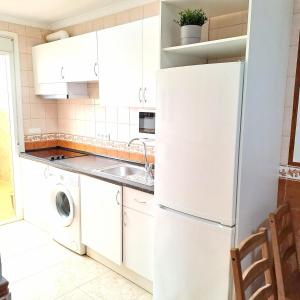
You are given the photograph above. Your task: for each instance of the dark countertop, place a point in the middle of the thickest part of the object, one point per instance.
(88, 165)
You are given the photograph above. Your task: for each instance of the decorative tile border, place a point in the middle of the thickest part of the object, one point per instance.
(289, 172)
(88, 144)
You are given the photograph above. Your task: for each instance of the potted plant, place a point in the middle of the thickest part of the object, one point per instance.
(191, 21)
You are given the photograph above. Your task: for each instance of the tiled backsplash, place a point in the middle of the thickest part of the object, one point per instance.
(92, 145)
(88, 117)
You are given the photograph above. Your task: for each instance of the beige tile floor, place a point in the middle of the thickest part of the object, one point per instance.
(40, 269)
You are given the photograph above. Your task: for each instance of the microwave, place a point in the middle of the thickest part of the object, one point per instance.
(147, 122)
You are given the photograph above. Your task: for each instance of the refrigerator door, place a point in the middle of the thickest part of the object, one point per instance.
(191, 258)
(198, 124)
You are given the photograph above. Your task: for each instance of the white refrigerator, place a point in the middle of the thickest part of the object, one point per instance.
(197, 157)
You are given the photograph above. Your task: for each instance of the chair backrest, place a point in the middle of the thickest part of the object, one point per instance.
(263, 266)
(283, 243)
(4, 291)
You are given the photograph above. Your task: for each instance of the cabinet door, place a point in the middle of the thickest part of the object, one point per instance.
(138, 242)
(101, 217)
(36, 199)
(120, 64)
(150, 60)
(47, 63)
(80, 58)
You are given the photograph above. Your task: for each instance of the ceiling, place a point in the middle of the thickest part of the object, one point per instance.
(45, 13)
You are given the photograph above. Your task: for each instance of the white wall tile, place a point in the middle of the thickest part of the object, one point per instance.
(112, 130)
(101, 130)
(51, 125)
(25, 95)
(134, 131)
(284, 150)
(123, 115)
(90, 129)
(38, 123)
(26, 126)
(295, 30)
(51, 111)
(90, 113)
(26, 111)
(111, 114)
(292, 61)
(37, 111)
(289, 94)
(100, 113)
(134, 116)
(287, 120)
(296, 6)
(123, 132)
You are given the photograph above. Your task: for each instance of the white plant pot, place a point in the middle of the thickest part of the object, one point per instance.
(190, 34)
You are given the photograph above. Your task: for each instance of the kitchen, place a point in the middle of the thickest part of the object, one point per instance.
(117, 135)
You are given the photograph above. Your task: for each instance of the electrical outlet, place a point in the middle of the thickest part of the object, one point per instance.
(103, 136)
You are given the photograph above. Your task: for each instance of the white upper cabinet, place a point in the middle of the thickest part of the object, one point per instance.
(120, 69)
(128, 61)
(47, 63)
(150, 60)
(80, 58)
(69, 60)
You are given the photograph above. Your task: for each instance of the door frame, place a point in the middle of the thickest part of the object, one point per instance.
(15, 108)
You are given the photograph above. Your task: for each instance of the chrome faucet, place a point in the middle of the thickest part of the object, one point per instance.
(148, 167)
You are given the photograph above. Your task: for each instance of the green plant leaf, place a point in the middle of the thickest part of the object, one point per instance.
(191, 17)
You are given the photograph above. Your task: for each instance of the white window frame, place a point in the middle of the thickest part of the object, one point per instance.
(18, 144)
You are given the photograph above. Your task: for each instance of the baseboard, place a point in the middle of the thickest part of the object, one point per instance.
(122, 270)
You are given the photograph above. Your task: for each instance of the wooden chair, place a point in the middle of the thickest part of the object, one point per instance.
(263, 266)
(4, 291)
(284, 249)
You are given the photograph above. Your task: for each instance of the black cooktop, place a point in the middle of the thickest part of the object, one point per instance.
(56, 153)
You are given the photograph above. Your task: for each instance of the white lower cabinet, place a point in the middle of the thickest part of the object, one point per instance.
(102, 204)
(138, 223)
(36, 200)
(101, 217)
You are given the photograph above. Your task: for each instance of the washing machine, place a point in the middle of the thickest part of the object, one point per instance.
(65, 226)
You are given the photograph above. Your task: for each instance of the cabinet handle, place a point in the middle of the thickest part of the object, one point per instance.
(95, 69)
(140, 201)
(46, 173)
(124, 219)
(61, 73)
(140, 95)
(117, 196)
(144, 95)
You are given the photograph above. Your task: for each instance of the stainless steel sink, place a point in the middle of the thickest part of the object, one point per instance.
(124, 171)
(132, 173)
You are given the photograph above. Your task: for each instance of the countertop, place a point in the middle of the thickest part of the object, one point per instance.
(88, 165)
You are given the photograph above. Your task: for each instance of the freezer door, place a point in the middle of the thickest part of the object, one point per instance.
(198, 122)
(191, 258)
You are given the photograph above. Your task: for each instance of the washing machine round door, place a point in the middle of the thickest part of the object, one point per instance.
(63, 205)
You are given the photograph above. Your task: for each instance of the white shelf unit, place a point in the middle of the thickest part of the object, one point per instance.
(266, 55)
(223, 48)
(174, 55)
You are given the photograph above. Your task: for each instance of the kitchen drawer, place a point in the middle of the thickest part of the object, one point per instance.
(138, 200)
